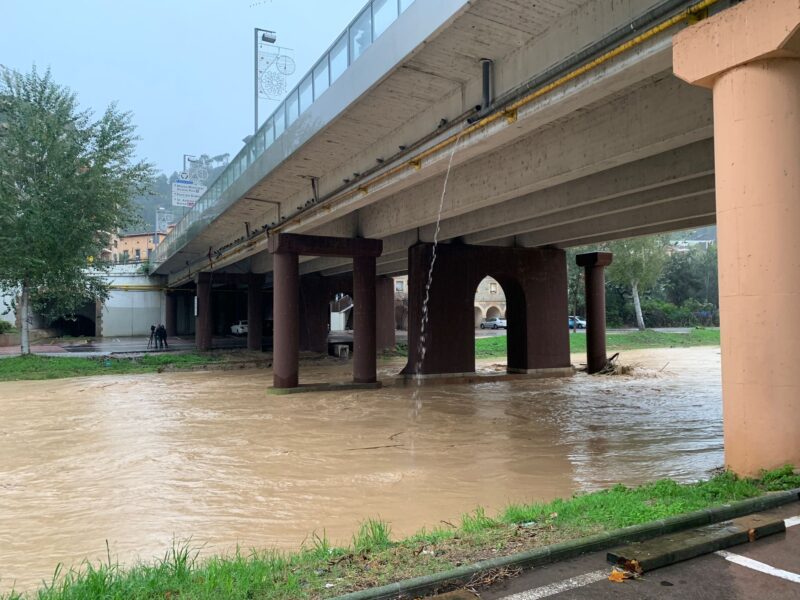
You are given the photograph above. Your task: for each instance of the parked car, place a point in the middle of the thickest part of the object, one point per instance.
(494, 323)
(239, 328)
(576, 321)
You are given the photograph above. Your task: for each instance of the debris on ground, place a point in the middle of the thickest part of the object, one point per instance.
(489, 578)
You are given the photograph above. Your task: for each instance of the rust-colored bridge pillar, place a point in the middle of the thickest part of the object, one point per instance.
(384, 311)
(255, 311)
(364, 360)
(286, 315)
(286, 248)
(594, 264)
(203, 330)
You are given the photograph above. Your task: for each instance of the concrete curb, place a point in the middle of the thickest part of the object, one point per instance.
(420, 586)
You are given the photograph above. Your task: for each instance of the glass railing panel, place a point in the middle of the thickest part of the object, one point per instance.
(370, 23)
(360, 34)
(280, 121)
(292, 106)
(321, 77)
(338, 56)
(306, 93)
(384, 13)
(269, 132)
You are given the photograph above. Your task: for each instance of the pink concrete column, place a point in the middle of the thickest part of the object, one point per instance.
(286, 315)
(748, 56)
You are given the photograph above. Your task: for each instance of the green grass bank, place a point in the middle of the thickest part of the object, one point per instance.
(495, 347)
(57, 367)
(373, 558)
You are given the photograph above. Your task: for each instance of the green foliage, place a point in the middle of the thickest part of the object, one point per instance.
(638, 261)
(477, 521)
(57, 367)
(692, 275)
(6, 327)
(372, 535)
(65, 185)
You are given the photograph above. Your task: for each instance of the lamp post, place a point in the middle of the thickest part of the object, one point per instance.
(268, 37)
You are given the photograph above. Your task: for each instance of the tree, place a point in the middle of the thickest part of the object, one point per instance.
(66, 181)
(638, 263)
(692, 275)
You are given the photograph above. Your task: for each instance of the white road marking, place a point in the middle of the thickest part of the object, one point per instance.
(588, 578)
(792, 521)
(560, 586)
(758, 566)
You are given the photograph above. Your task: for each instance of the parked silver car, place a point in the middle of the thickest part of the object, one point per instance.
(494, 323)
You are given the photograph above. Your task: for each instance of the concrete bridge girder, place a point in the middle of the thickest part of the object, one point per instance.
(649, 60)
(377, 213)
(658, 179)
(661, 116)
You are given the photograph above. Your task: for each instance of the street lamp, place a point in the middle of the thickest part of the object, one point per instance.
(267, 37)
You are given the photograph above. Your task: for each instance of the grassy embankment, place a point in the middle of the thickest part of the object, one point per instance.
(56, 367)
(373, 558)
(496, 346)
(320, 570)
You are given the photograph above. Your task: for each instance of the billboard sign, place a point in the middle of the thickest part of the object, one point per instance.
(186, 193)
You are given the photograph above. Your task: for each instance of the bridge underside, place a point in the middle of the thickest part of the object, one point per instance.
(620, 150)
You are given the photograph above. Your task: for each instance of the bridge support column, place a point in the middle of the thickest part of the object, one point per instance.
(535, 284)
(384, 290)
(364, 320)
(314, 313)
(286, 314)
(171, 313)
(255, 311)
(748, 55)
(203, 325)
(594, 264)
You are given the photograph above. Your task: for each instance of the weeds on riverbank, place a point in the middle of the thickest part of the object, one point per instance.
(57, 367)
(320, 570)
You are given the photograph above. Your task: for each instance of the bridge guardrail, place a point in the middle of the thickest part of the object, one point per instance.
(370, 22)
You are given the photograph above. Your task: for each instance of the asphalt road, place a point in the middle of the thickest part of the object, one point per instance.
(767, 569)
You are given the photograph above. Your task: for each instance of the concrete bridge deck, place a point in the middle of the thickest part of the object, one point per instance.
(621, 150)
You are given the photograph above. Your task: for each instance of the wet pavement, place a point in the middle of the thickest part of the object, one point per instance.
(139, 460)
(767, 569)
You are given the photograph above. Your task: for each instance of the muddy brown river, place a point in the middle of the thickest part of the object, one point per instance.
(144, 459)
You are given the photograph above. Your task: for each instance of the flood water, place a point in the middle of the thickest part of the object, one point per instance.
(139, 460)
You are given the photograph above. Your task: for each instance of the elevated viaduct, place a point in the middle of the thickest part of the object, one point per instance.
(508, 130)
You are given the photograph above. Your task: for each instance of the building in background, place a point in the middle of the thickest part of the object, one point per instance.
(490, 301)
(135, 247)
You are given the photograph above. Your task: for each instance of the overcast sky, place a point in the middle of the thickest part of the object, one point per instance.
(184, 68)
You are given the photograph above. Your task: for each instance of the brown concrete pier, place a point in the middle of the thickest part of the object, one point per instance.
(594, 264)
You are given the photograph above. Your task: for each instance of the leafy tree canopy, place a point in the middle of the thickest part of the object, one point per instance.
(66, 180)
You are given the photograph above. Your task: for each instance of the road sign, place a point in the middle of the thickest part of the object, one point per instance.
(164, 220)
(186, 192)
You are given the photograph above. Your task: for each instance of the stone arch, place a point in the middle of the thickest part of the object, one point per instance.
(478, 315)
(493, 311)
(516, 315)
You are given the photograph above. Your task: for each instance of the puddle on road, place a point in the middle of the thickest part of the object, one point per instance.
(138, 460)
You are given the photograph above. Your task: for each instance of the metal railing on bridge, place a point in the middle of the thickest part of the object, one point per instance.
(362, 31)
